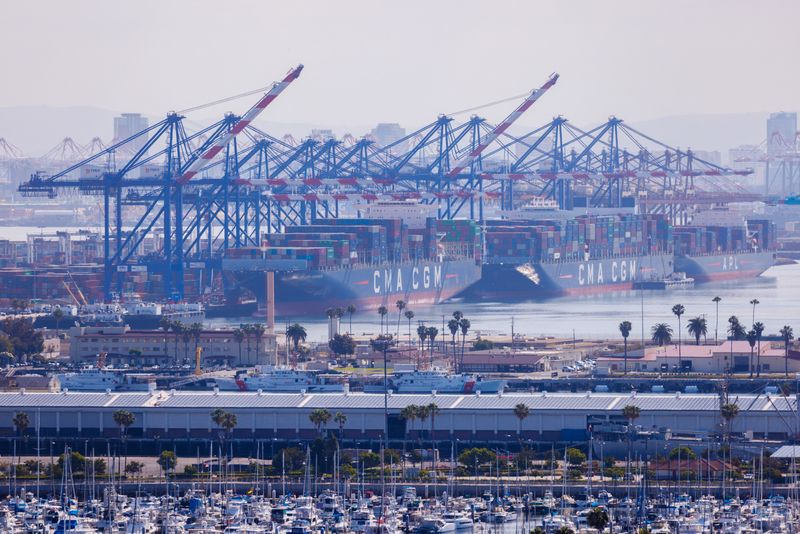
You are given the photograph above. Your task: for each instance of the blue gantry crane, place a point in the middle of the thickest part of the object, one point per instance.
(182, 200)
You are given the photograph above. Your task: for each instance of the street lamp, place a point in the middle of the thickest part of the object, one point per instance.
(382, 344)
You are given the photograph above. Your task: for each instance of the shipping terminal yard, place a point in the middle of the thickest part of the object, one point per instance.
(213, 325)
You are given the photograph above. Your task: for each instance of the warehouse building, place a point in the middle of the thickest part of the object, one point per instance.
(137, 348)
(733, 356)
(466, 418)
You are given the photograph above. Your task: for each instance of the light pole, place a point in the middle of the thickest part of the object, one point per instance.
(382, 344)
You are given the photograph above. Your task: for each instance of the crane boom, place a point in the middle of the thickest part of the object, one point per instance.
(498, 130)
(240, 125)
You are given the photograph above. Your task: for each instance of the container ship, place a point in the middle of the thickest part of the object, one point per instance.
(527, 259)
(365, 262)
(718, 253)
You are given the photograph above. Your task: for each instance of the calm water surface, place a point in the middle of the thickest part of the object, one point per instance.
(597, 316)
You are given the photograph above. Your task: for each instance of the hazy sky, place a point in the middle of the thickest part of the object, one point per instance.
(405, 61)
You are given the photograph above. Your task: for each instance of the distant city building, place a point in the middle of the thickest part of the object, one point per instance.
(129, 124)
(386, 133)
(711, 156)
(781, 132)
(322, 134)
(781, 171)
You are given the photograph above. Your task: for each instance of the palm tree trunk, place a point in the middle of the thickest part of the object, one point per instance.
(625, 340)
(758, 357)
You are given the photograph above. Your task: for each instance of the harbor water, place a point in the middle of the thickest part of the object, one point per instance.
(595, 316)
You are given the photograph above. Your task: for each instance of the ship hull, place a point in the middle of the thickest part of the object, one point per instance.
(725, 266)
(522, 281)
(310, 292)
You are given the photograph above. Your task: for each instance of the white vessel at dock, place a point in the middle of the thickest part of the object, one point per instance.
(282, 379)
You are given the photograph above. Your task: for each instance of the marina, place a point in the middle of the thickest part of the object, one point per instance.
(550, 294)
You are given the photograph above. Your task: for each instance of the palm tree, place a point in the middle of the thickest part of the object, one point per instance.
(787, 334)
(422, 333)
(432, 411)
(124, 420)
(597, 518)
(697, 327)
(625, 328)
(754, 302)
(186, 336)
(661, 334)
(751, 340)
(340, 419)
(521, 411)
(758, 328)
(247, 329)
(432, 332)
(165, 325)
(351, 309)
(226, 422)
(382, 311)
(728, 411)
(453, 326)
(319, 417)
(238, 337)
(736, 331)
(196, 329)
(716, 301)
(631, 413)
(401, 305)
(58, 314)
(21, 422)
(464, 324)
(258, 332)
(422, 415)
(679, 310)
(409, 315)
(177, 330)
(296, 333)
(409, 414)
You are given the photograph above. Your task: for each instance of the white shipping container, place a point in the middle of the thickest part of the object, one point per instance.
(151, 170)
(91, 171)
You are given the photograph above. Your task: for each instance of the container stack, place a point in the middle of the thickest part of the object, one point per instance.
(573, 239)
(762, 232)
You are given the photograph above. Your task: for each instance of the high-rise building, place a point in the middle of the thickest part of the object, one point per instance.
(129, 124)
(781, 131)
(781, 173)
(386, 133)
(322, 134)
(711, 156)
